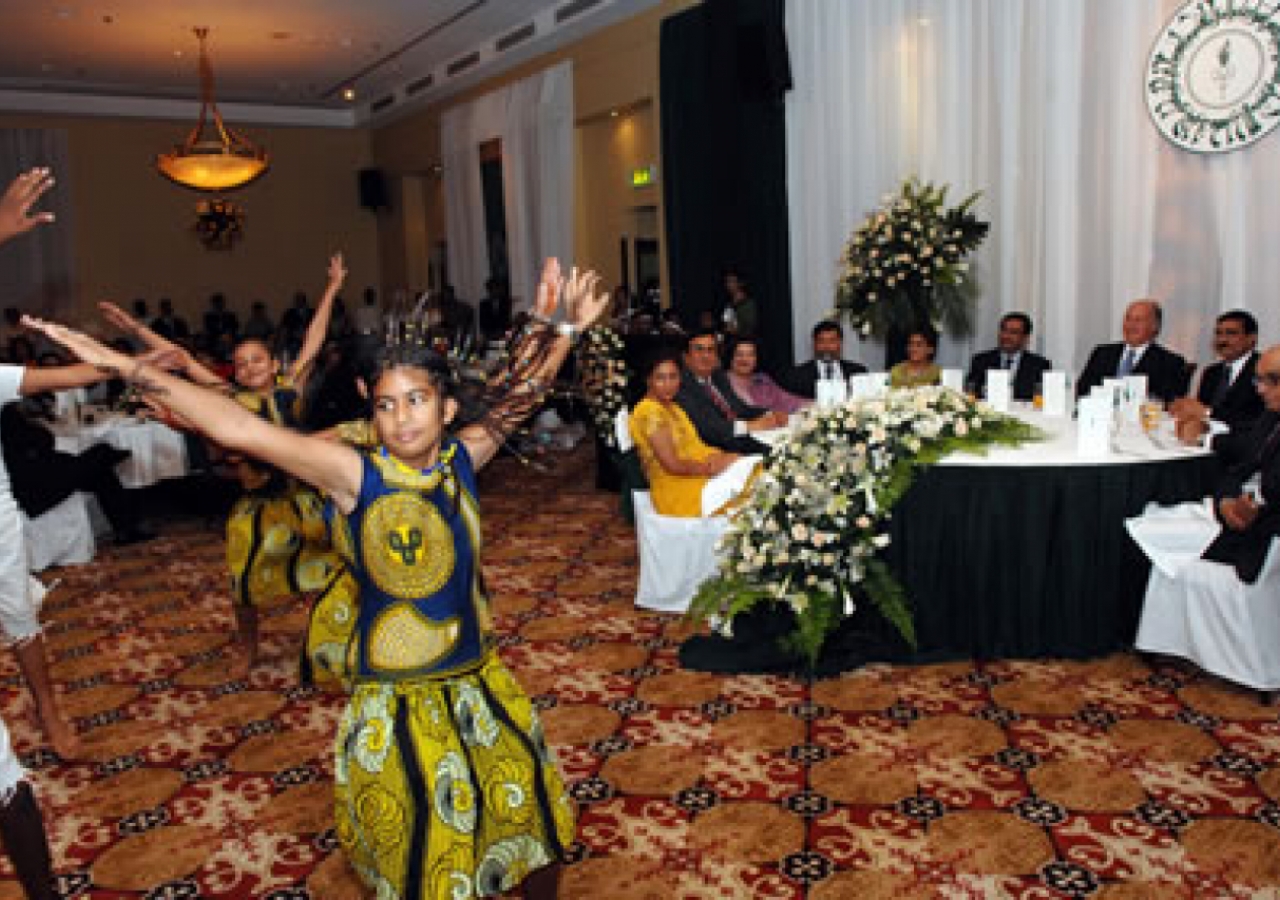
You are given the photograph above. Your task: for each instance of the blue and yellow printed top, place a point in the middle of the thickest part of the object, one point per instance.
(413, 543)
(281, 407)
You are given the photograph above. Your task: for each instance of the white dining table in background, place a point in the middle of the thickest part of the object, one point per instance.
(156, 451)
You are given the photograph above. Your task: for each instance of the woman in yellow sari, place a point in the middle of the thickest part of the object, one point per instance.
(675, 460)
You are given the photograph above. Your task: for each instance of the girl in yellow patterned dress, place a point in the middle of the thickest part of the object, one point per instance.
(444, 785)
(277, 540)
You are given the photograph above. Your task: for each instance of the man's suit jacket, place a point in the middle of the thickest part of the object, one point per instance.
(803, 379)
(1031, 368)
(709, 422)
(1166, 371)
(1242, 405)
(1247, 550)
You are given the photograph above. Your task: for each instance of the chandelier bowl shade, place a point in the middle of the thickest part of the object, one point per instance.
(213, 157)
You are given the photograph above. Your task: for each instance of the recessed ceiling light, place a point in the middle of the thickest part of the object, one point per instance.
(177, 54)
(348, 94)
(613, 113)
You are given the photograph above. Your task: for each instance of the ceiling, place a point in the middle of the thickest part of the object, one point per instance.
(275, 60)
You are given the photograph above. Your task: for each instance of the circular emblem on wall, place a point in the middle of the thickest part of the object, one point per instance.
(1213, 79)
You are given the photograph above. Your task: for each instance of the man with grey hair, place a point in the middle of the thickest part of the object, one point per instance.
(1138, 354)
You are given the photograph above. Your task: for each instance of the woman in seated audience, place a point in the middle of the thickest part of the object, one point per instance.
(755, 387)
(918, 369)
(675, 460)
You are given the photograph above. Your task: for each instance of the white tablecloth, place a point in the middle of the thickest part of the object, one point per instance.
(1129, 445)
(158, 452)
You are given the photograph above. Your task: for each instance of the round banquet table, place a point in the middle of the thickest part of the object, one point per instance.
(1018, 553)
(1023, 552)
(157, 451)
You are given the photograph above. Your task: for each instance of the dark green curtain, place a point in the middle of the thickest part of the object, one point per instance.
(724, 70)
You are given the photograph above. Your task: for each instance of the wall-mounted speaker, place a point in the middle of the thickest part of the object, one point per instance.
(372, 185)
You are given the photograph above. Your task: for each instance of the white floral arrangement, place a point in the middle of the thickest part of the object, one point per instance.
(810, 533)
(904, 267)
(603, 376)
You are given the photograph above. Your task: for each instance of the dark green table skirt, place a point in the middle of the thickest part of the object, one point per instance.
(1031, 562)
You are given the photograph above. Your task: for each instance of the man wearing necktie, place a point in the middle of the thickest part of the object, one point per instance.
(720, 417)
(1250, 517)
(1010, 354)
(1138, 354)
(1226, 400)
(826, 365)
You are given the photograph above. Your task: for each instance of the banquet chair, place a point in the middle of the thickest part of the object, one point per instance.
(677, 553)
(60, 536)
(1208, 615)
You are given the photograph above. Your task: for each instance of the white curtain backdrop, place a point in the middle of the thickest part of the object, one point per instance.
(534, 120)
(1038, 104)
(37, 270)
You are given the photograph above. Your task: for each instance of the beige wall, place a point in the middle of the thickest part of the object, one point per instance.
(131, 227)
(615, 68)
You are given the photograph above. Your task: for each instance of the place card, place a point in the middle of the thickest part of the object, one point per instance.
(999, 389)
(1133, 395)
(953, 379)
(1053, 393)
(1093, 424)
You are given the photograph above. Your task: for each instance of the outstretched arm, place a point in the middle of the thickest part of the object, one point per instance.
(332, 468)
(531, 369)
(302, 367)
(59, 378)
(160, 344)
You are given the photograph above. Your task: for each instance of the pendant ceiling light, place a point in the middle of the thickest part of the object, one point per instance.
(213, 157)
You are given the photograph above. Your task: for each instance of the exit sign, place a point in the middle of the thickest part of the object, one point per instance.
(644, 176)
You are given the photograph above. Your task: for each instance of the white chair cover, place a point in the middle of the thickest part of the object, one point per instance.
(1206, 614)
(622, 430)
(61, 536)
(677, 554)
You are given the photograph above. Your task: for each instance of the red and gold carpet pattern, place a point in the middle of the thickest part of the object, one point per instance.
(1007, 779)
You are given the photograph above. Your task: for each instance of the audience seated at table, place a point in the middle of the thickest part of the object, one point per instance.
(918, 369)
(1226, 395)
(1010, 353)
(1138, 354)
(720, 418)
(753, 386)
(675, 460)
(42, 477)
(828, 348)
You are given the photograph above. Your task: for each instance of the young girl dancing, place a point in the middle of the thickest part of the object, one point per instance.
(444, 784)
(277, 544)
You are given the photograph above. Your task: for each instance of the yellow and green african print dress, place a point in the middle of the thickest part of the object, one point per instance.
(277, 540)
(445, 787)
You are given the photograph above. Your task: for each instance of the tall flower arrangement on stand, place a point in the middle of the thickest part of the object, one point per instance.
(810, 533)
(602, 373)
(904, 266)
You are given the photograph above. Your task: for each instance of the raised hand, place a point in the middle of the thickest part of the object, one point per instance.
(583, 304)
(118, 317)
(337, 269)
(550, 284)
(15, 206)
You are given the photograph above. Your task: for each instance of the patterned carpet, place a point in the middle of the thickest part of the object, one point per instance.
(1005, 779)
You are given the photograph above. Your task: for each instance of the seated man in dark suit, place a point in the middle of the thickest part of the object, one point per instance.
(719, 415)
(1138, 354)
(1226, 395)
(1010, 353)
(828, 348)
(42, 477)
(1251, 518)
